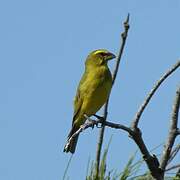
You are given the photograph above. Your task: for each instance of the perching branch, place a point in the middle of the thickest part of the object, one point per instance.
(101, 133)
(150, 95)
(172, 132)
(152, 161)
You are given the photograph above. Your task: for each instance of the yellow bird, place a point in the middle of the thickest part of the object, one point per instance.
(92, 92)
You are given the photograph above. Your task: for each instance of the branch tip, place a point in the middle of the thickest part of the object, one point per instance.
(151, 93)
(101, 133)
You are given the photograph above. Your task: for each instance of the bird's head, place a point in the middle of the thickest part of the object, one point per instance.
(99, 57)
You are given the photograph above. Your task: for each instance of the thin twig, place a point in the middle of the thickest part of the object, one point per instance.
(173, 167)
(174, 153)
(91, 123)
(150, 95)
(101, 133)
(172, 132)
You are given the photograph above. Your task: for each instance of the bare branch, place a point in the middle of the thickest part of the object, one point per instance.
(151, 160)
(118, 126)
(173, 167)
(151, 93)
(91, 123)
(123, 36)
(82, 128)
(101, 133)
(174, 153)
(172, 132)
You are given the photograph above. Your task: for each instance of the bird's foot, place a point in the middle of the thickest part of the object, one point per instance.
(90, 122)
(100, 120)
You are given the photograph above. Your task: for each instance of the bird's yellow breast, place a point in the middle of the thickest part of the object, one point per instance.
(95, 91)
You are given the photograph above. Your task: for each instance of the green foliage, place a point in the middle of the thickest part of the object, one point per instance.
(129, 172)
(103, 174)
(130, 168)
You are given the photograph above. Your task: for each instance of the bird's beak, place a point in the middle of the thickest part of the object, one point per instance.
(110, 56)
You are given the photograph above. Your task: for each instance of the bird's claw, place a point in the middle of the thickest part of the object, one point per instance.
(91, 122)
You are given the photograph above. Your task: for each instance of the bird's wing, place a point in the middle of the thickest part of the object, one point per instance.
(78, 98)
(77, 105)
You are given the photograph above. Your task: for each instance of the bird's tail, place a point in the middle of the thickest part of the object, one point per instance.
(70, 145)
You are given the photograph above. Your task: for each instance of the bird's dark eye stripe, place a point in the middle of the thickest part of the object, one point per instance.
(103, 53)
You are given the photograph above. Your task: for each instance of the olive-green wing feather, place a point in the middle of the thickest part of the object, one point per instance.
(77, 108)
(78, 100)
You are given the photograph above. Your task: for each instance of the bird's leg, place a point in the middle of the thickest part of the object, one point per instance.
(90, 122)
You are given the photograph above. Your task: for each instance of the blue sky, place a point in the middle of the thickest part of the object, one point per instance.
(43, 47)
